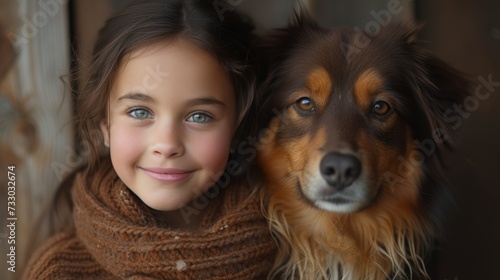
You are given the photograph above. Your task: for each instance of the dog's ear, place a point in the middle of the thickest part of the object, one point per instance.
(438, 90)
(274, 48)
(278, 43)
(443, 90)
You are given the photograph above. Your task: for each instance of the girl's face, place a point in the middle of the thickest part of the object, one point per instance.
(171, 120)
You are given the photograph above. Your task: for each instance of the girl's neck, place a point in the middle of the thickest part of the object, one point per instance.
(186, 218)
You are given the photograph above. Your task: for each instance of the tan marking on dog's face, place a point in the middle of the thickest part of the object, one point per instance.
(297, 153)
(367, 84)
(371, 164)
(319, 84)
(313, 154)
(317, 87)
(298, 158)
(396, 173)
(387, 168)
(268, 150)
(405, 175)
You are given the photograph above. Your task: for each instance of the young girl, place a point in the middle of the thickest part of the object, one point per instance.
(169, 88)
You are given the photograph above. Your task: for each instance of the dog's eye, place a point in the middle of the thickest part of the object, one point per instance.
(305, 104)
(381, 108)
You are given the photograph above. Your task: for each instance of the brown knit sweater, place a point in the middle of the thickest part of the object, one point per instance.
(116, 236)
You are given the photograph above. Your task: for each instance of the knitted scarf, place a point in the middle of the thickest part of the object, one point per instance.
(126, 240)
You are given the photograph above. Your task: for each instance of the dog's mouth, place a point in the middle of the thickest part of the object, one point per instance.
(335, 199)
(324, 197)
(340, 203)
(328, 194)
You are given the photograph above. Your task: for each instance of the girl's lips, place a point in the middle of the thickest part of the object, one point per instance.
(168, 175)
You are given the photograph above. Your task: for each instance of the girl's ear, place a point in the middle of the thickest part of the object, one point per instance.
(105, 131)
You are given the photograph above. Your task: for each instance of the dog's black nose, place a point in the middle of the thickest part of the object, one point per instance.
(340, 170)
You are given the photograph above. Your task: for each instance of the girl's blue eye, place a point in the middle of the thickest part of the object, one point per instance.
(199, 118)
(140, 114)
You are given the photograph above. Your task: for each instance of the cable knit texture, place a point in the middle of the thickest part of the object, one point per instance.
(116, 236)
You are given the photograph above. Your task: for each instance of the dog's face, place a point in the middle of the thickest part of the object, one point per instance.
(352, 107)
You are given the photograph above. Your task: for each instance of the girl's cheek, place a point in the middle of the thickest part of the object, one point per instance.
(213, 150)
(126, 142)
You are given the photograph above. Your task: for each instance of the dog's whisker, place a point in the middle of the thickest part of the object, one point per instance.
(290, 174)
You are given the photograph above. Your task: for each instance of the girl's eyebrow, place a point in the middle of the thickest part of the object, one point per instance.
(136, 96)
(206, 101)
(193, 102)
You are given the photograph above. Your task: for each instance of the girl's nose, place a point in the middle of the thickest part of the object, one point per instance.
(168, 142)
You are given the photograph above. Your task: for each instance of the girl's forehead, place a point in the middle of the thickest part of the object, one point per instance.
(168, 45)
(153, 48)
(175, 47)
(143, 51)
(176, 64)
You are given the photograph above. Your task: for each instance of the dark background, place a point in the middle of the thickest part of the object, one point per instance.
(467, 35)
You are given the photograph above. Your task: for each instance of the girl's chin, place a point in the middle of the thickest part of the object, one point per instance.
(163, 207)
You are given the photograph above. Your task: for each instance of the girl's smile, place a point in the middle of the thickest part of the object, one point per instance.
(172, 117)
(168, 175)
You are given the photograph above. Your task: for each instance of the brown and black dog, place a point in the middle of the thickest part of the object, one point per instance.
(353, 151)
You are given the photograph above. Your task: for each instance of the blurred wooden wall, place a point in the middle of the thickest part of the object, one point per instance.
(36, 132)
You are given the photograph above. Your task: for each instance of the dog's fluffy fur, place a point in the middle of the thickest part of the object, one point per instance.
(381, 99)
